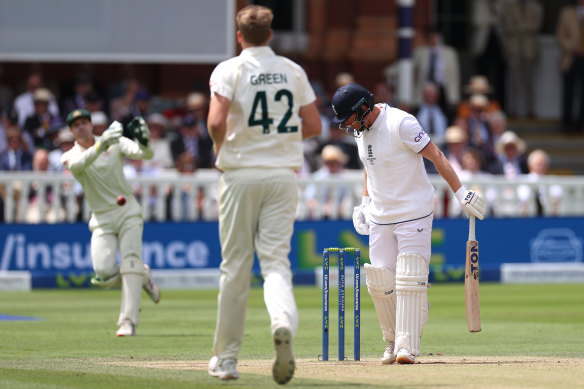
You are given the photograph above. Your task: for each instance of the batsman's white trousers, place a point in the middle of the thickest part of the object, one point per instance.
(388, 240)
(120, 228)
(256, 213)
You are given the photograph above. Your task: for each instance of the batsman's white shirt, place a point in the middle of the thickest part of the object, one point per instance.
(266, 93)
(103, 179)
(396, 179)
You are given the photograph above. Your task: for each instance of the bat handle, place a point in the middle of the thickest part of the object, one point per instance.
(471, 228)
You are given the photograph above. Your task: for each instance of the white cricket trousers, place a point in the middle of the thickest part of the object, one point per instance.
(120, 228)
(256, 214)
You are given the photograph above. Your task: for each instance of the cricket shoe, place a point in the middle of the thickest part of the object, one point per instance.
(388, 355)
(223, 369)
(151, 287)
(404, 357)
(284, 366)
(126, 329)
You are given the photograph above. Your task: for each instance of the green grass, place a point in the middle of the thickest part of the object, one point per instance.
(74, 343)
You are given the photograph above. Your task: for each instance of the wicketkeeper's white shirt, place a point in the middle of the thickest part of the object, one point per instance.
(396, 178)
(103, 179)
(263, 126)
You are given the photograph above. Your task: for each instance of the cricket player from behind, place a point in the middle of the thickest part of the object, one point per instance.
(396, 212)
(96, 162)
(261, 108)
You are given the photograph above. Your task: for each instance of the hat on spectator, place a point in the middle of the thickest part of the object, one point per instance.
(157, 118)
(196, 100)
(42, 94)
(332, 153)
(189, 120)
(478, 84)
(99, 118)
(455, 134)
(76, 114)
(65, 135)
(510, 138)
(343, 79)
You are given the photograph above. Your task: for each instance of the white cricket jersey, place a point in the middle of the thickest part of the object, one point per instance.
(396, 179)
(102, 178)
(266, 93)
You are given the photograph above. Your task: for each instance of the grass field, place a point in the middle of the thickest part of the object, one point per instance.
(533, 337)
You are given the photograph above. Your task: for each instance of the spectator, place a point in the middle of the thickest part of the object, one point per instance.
(431, 116)
(24, 103)
(65, 140)
(100, 122)
(189, 140)
(472, 169)
(139, 107)
(437, 63)
(162, 155)
(384, 93)
(478, 85)
(343, 78)
(83, 86)
(190, 196)
(346, 143)
(39, 123)
(479, 132)
(321, 201)
(16, 157)
(198, 106)
(46, 210)
(497, 122)
(456, 141)
(570, 36)
(511, 161)
(547, 197)
(521, 22)
(487, 45)
(122, 106)
(93, 102)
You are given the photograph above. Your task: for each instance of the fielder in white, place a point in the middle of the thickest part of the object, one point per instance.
(396, 212)
(96, 162)
(261, 108)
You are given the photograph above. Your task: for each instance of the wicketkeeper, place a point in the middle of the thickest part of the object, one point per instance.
(96, 162)
(396, 212)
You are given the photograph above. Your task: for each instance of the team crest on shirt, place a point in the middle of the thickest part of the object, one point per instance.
(370, 156)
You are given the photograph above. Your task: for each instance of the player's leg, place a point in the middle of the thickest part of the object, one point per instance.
(275, 227)
(381, 283)
(104, 246)
(412, 286)
(131, 270)
(238, 208)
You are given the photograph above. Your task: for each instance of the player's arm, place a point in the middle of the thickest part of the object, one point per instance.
(433, 153)
(311, 124)
(471, 202)
(217, 120)
(135, 150)
(77, 162)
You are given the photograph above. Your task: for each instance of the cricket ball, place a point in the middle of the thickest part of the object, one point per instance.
(121, 200)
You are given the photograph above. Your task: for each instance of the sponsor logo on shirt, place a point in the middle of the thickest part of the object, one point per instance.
(370, 156)
(420, 136)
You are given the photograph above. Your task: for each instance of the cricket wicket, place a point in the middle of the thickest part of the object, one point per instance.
(356, 301)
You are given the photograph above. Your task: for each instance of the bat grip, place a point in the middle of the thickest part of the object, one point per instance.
(471, 228)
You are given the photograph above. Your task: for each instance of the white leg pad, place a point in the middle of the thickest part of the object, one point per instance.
(412, 301)
(114, 281)
(132, 274)
(381, 287)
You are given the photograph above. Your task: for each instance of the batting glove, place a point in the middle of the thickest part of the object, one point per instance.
(360, 218)
(471, 202)
(139, 129)
(109, 137)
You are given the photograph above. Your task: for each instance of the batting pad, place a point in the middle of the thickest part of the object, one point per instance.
(412, 301)
(381, 287)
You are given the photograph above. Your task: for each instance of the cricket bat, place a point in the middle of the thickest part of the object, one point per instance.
(471, 280)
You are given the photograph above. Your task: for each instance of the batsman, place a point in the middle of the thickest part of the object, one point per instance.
(397, 213)
(97, 163)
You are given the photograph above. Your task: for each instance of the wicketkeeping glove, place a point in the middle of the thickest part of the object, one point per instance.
(139, 129)
(471, 202)
(109, 137)
(360, 218)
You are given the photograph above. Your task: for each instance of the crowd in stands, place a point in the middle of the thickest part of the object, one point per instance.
(465, 118)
